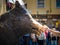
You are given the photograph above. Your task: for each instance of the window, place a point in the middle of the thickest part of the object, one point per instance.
(40, 3)
(58, 3)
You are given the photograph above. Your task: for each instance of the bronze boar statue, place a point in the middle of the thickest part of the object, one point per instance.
(13, 25)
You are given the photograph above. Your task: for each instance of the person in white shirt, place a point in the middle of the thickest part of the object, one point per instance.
(41, 38)
(33, 38)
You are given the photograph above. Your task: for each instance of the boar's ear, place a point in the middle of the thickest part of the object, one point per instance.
(17, 4)
(21, 7)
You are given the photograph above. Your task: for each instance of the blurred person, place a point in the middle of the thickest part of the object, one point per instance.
(41, 38)
(54, 39)
(26, 39)
(48, 38)
(10, 4)
(57, 36)
(33, 39)
(47, 34)
(21, 41)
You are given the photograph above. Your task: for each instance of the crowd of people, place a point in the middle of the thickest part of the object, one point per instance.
(42, 38)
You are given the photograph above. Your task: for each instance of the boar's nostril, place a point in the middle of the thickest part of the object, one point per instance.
(34, 28)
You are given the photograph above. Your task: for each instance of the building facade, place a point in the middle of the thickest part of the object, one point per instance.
(43, 6)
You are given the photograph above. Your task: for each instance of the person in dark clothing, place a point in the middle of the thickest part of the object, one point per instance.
(48, 39)
(54, 39)
(54, 42)
(21, 41)
(57, 36)
(26, 39)
(33, 39)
